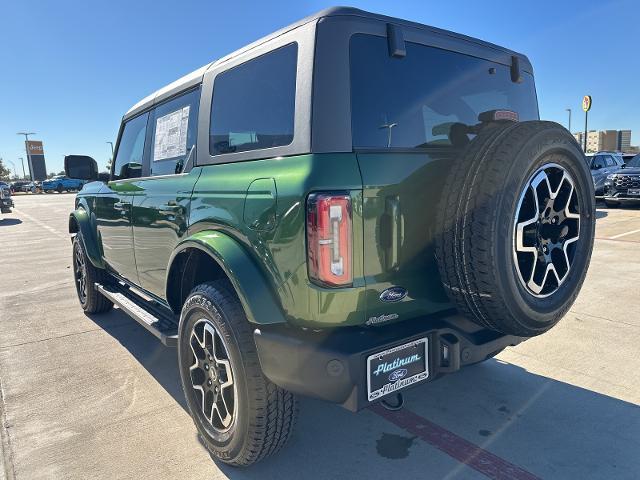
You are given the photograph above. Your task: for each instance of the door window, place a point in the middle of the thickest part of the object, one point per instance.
(253, 105)
(128, 161)
(175, 129)
(610, 161)
(598, 162)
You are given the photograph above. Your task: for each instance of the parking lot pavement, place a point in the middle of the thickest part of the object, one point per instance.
(99, 397)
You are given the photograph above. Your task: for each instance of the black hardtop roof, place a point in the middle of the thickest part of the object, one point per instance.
(195, 77)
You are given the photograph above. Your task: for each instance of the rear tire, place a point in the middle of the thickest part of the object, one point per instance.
(516, 227)
(86, 276)
(216, 344)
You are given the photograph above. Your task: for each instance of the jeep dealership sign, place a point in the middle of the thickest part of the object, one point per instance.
(35, 154)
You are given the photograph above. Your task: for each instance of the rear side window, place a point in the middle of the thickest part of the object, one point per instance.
(128, 162)
(253, 104)
(430, 98)
(175, 128)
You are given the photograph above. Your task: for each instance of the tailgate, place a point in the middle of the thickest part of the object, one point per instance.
(400, 196)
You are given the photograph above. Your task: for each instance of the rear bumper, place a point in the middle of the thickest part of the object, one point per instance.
(331, 365)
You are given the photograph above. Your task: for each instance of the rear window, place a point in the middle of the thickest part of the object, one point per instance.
(253, 104)
(430, 98)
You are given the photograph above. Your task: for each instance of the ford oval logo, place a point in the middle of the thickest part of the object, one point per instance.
(393, 294)
(397, 374)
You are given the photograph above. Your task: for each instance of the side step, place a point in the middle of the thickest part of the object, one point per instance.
(160, 325)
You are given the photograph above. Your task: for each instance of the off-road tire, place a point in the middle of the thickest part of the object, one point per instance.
(266, 414)
(476, 220)
(92, 301)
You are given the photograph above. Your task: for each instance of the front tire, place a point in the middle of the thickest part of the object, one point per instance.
(241, 416)
(86, 276)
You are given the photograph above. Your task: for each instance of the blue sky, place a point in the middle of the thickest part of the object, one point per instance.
(70, 69)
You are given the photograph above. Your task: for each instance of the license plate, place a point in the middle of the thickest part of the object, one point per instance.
(633, 191)
(397, 368)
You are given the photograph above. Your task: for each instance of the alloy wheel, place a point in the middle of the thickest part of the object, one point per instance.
(211, 376)
(547, 227)
(80, 273)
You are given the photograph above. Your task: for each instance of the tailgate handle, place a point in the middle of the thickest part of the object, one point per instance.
(395, 232)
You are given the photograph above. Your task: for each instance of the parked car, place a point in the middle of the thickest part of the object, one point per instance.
(601, 165)
(623, 185)
(6, 202)
(18, 185)
(33, 187)
(628, 156)
(310, 211)
(62, 183)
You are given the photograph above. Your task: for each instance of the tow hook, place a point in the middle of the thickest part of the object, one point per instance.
(394, 407)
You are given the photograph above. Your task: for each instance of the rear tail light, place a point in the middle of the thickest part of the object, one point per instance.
(329, 233)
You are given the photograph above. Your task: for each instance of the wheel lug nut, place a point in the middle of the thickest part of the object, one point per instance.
(206, 367)
(209, 383)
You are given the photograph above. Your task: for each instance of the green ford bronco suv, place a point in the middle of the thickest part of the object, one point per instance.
(350, 206)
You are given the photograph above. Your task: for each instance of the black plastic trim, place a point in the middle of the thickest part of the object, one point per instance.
(331, 364)
(395, 40)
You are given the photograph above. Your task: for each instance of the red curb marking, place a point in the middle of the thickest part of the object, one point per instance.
(457, 447)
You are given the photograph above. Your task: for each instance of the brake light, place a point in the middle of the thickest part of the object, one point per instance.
(329, 233)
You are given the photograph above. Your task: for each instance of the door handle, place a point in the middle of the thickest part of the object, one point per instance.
(121, 205)
(169, 208)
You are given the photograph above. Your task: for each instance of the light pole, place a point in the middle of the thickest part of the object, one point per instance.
(24, 174)
(569, 110)
(26, 139)
(15, 173)
(111, 143)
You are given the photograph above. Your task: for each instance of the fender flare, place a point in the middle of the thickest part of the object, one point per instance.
(87, 234)
(249, 282)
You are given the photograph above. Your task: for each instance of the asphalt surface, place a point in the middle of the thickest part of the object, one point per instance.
(99, 397)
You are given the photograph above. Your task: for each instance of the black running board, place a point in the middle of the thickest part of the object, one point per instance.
(160, 325)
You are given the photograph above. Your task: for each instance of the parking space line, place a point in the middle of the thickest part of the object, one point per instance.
(624, 234)
(41, 224)
(462, 450)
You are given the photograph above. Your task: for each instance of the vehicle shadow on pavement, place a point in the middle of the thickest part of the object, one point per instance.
(543, 426)
(6, 222)
(601, 213)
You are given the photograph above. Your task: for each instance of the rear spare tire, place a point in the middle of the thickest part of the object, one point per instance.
(515, 227)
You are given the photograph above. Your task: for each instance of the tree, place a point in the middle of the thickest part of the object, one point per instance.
(4, 171)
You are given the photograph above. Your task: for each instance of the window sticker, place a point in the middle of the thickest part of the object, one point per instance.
(171, 135)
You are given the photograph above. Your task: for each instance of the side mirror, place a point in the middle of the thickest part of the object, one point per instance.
(596, 167)
(81, 167)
